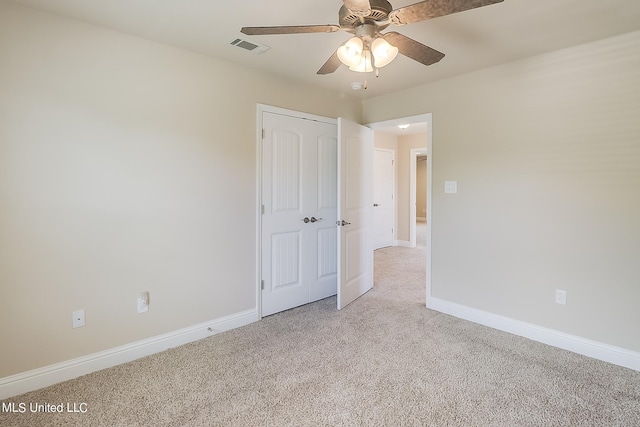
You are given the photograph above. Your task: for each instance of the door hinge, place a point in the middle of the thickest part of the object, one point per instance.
(392, 161)
(262, 209)
(262, 133)
(262, 285)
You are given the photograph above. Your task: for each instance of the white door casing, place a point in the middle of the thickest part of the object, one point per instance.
(355, 204)
(383, 198)
(299, 180)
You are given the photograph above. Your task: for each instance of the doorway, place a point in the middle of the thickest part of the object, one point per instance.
(409, 149)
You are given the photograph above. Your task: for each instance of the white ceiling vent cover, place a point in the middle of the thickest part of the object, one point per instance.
(249, 46)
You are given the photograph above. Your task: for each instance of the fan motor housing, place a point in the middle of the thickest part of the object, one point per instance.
(380, 10)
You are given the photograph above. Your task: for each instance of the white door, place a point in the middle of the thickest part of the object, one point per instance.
(299, 197)
(355, 204)
(383, 198)
(323, 210)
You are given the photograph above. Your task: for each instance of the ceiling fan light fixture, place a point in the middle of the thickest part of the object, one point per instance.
(364, 57)
(383, 52)
(350, 53)
(364, 65)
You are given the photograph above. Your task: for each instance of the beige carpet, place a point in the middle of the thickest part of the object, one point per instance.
(385, 360)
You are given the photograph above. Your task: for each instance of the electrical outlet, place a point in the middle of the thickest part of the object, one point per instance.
(143, 302)
(451, 187)
(561, 297)
(78, 318)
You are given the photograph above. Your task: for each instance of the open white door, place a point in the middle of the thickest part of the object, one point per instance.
(355, 204)
(383, 198)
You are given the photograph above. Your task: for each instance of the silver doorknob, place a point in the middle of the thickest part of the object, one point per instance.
(375, 205)
(306, 220)
(343, 223)
(314, 219)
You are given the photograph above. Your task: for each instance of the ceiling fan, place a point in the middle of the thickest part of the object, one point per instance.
(369, 49)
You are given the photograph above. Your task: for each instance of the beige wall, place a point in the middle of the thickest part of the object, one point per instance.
(546, 152)
(385, 140)
(125, 166)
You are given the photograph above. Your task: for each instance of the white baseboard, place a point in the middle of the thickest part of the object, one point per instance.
(52, 374)
(597, 350)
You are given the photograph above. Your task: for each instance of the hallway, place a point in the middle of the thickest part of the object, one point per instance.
(400, 272)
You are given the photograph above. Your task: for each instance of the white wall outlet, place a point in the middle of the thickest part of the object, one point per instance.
(561, 297)
(78, 318)
(143, 302)
(450, 187)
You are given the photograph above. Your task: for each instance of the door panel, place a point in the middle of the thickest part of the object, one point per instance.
(383, 198)
(323, 167)
(283, 234)
(355, 268)
(299, 180)
(325, 269)
(327, 155)
(355, 162)
(285, 166)
(286, 255)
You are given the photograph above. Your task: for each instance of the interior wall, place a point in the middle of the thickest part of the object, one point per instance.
(385, 140)
(125, 166)
(546, 154)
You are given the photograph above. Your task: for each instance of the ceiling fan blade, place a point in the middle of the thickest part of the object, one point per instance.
(331, 65)
(294, 29)
(430, 9)
(357, 5)
(413, 49)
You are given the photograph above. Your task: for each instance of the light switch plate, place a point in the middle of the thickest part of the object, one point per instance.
(450, 187)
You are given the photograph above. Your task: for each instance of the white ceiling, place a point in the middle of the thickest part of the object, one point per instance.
(471, 40)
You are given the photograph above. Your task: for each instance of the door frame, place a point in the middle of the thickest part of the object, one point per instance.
(428, 119)
(260, 109)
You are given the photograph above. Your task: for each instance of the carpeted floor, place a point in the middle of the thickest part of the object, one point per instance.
(385, 360)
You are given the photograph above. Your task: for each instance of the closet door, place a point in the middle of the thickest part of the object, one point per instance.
(323, 191)
(299, 197)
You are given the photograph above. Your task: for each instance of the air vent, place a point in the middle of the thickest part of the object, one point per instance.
(249, 46)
